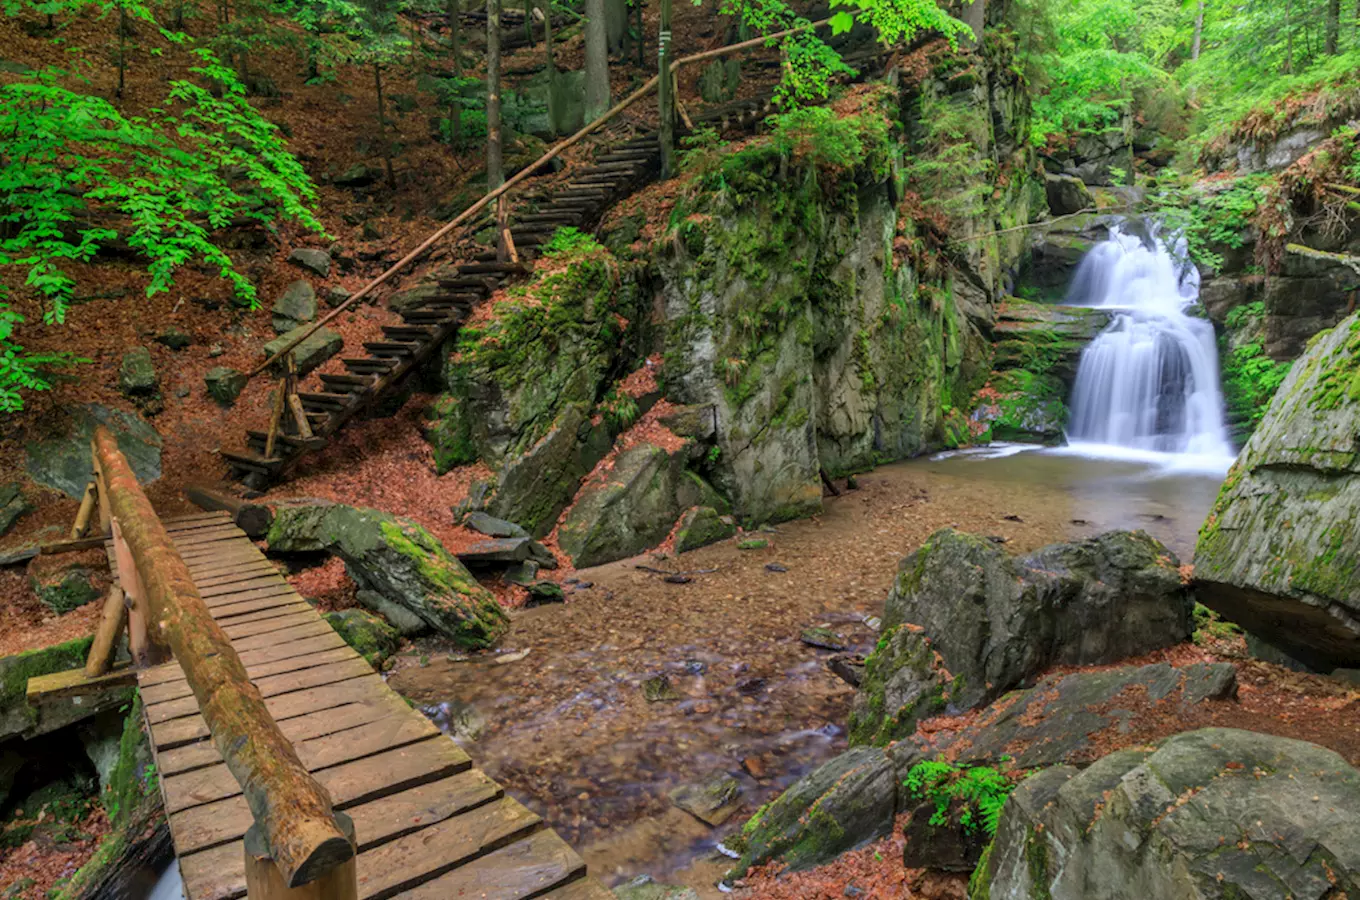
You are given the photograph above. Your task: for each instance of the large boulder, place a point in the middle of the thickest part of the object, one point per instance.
(1067, 195)
(848, 801)
(632, 507)
(1278, 552)
(63, 462)
(1213, 814)
(997, 620)
(902, 684)
(398, 559)
(702, 525)
(371, 637)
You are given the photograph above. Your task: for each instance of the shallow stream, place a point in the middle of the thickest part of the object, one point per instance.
(567, 728)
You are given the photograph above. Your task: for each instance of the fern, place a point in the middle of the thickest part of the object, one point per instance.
(569, 241)
(980, 793)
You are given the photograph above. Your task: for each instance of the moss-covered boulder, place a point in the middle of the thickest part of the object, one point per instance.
(370, 636)
(1017, 405)
(842, 804)
(1279, 552)
(400, 560)
(996, 619)
(632, 506)
(902, 684)
(701, 526)
(17, 717)
(1214, 814)
(67, 581)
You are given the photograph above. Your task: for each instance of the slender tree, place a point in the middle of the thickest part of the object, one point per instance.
(665, 93)
(975, 15)
(1333, 26)
(455, 55)
(1199, 31)
(495, 168)
(597, 61)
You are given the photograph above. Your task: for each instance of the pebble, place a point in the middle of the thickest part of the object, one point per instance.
(775, 567)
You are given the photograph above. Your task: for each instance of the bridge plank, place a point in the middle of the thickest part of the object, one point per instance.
(172, 672)
(240, 607)
(219, 873)
(271, 687)
(255, 642)
(241, 586)
(173, 690)
(349, 785)
(253, 593)
(265, 626)
(217, 783)
(299, 703)
(526, 868)
(268, 612)
(233, 576)
(581, 889)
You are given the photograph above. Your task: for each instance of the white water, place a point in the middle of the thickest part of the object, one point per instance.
(1147, 386)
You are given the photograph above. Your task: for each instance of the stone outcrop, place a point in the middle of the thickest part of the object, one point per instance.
(1277, 553)
(63, 462)
(844, 803)
(17, 718)
(997, 620)
(1213, 814)
(398, 559)
(902, 684)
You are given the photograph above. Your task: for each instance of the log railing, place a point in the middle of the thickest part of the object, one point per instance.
(298, 839)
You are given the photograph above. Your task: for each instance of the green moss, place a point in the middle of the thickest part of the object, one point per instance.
(15, 713)
(1340, 381)
(370, 636)
(1036, 857)
(980, 882)
(753, 544)
(434, 563)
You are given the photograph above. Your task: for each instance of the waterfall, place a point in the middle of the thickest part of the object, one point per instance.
(1149, 381)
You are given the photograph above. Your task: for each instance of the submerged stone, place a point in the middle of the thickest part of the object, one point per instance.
(712, 801)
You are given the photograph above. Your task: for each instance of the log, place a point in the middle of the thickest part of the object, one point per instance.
(87, 502)
(293, 812)
(110, 626)
(252, 518)
(265, 882)
(88, 543)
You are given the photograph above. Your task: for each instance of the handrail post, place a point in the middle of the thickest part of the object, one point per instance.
(264, 881)
(144, 642)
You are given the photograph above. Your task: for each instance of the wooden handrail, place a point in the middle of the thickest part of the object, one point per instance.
(292, 811)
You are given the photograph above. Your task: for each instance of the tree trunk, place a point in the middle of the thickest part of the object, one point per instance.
(548, 37)
(122, 46)
(974, 16)
(1333, 26)
(495, 170)
(665, 93)
(642, 39)
(597, 61)
(1288, 40)
(1199, 32)
(455, 40)
(382, 128)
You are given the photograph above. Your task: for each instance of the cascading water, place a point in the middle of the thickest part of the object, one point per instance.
(1149, 381)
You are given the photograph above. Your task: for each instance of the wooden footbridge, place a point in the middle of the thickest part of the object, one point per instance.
(288, 768)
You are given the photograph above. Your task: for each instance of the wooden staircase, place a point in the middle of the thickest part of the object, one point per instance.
(580, 203)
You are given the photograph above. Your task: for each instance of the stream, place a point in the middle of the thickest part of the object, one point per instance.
(569, 732)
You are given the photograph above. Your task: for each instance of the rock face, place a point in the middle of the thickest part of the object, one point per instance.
(848, 801)
(407, 623)
(17, 718)
(313, 351)
(225, 384)
(13, 506)
(400, 560)
(1044, 339)
(996, 619)
(63, 462)
(1213, 814)
(1277, 553)
(1067, 195)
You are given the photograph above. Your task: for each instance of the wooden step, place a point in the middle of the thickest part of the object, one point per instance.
(256, 441)
(252, 462)
(408, 333)
(370, 365)
(347, 384)
(498, 268)
(640, 155)
(322, 401)
(391, 348)
(567, 218)
(603, 180)
(437, 318)
(483, 282)
(587, 190)
(612, 168)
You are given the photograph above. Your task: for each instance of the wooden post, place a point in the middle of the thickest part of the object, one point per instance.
(292, 811)
(665, 93)
(100, 659)
(102, 500)
(87, 503)
(265, 882)
(502, 233)
(276, 417)
(143, 644)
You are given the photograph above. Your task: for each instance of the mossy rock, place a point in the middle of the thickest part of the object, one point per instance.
(313, 351)
(16, 716)
(701, 526)
(225, 384)
(137, 374)
(1018, 405)
(371, 637)
(902, 684)
(66, 582)
(63, 462)
(627, 512)
(400, 560)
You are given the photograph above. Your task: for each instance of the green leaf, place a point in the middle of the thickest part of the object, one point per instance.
(841, 22)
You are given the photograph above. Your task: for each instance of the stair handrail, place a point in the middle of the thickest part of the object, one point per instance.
(522, 175)
(298, 838)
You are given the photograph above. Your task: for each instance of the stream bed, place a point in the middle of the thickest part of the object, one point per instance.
(569, 730)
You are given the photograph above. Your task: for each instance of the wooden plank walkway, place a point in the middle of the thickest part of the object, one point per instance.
(429, 824)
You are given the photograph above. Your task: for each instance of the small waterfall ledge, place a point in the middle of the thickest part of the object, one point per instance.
(1148, 384)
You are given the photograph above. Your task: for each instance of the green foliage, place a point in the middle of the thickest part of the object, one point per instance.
(979, 791)
(1250, 379)
(1214, 217)
(701, 149)
(21, 371)
(948, 171)
(569, 241)
(1211, 627)
(619, 410)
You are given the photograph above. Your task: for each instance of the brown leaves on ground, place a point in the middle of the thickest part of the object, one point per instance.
(45, 861)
